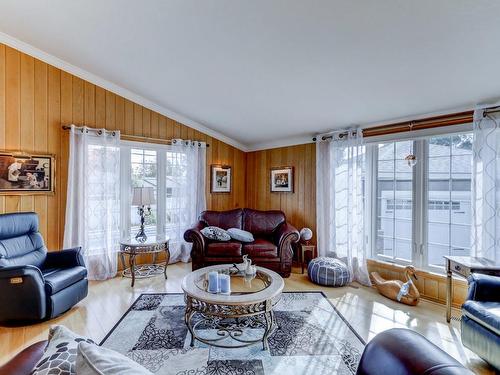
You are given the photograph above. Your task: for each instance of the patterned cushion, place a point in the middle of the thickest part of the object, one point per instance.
(60, 355)
(215, 233)
(240, 235)
(329, 272)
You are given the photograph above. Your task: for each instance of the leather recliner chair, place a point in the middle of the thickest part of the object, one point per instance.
(481, 318)
(271, 249)
(34, 284)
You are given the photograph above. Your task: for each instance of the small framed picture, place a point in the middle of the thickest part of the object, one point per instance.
(220, 179)
(22, 173)
(282, 180)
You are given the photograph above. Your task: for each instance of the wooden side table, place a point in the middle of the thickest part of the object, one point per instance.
(303, 248)
(134, 248)
(464, 266)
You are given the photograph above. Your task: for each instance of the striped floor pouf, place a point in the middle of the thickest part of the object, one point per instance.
(328, 271)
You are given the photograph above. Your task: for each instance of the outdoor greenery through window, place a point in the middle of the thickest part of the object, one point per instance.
(423, 212)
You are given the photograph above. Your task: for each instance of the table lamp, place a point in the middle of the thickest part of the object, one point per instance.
(143, 198)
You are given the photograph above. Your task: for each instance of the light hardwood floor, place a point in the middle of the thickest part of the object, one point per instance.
(367, 311)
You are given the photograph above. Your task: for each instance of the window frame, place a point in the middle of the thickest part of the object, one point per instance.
(126, 185)
(420, 194)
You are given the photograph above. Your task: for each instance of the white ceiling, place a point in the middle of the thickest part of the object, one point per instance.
(269, 72)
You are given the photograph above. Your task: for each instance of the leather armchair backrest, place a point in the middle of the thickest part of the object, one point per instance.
(20, 242)
(262, 222)
(223, 219)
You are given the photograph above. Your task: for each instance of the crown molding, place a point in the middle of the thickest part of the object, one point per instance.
(119, 90)
(284, 142)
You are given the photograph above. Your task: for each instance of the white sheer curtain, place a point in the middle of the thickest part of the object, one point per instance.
(186, 171)
(93, 199)
(486, 186)
(340, 178)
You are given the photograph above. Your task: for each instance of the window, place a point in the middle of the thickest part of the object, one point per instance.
(144, 173)
(394, 201)
(424, 212)
(170, 171)
(448, 178)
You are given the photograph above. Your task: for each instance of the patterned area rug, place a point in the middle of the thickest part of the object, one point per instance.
(312, 338)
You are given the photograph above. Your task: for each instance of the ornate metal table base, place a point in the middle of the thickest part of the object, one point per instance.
(230, 321)
(145, 270)
(135, 271)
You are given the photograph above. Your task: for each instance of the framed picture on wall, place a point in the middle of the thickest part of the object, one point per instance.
(22, 173)
(220, 181)
(282, 180)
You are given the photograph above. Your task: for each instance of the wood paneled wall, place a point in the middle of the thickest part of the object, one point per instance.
(36, 99)
(299, 206)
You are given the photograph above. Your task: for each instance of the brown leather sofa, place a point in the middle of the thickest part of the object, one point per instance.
(400, 351)
(271, 249)
(25, 361)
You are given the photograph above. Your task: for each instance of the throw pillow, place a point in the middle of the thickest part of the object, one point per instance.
(215, 233)
(60, 355)
(95, 360)
(240, 235)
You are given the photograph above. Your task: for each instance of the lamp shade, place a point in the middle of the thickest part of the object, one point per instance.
(143, 196)
(306, 234)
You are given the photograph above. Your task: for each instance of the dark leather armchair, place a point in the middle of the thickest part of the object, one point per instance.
(400, 351)
(271, 249)
(481, 318)
(35, 284)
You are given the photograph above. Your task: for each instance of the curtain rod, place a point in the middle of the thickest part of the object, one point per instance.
(407, 126)
(126, 137)
(426, 123)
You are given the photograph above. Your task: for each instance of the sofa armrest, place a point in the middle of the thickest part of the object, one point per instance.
(25, 361)
(194, 235)
(22, 271)
(286, 235)
(66, 258)
(484, 288)
(23, 293)
(403, 351)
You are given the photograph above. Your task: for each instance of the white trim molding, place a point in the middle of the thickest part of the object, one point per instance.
(284, 142)
(119, 90)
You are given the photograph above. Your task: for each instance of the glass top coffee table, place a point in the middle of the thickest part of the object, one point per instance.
(226, 320)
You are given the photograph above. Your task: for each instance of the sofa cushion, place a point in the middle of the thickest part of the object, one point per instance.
(215, 233)
(486, 314)
(261, 248)
(262, 222)
(58, 279)
(60, 354)
(221, 249)
(223, 219)
(95, 360)
(240, 235)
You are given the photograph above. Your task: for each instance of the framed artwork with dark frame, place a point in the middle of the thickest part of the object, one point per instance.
(220, 178)
(282, 180)
(26, 173)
